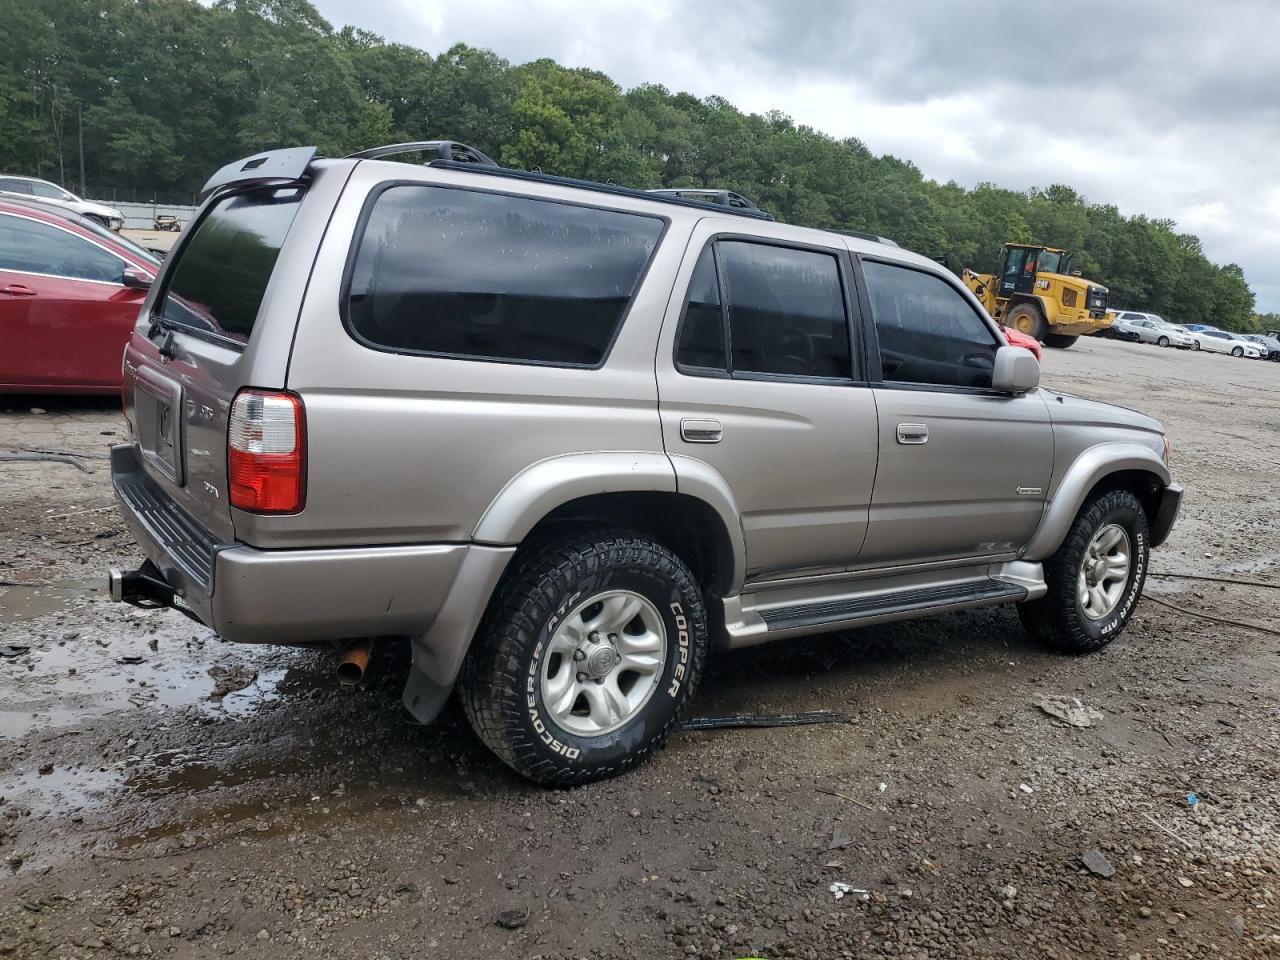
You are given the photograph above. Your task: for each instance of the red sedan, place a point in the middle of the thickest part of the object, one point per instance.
(70, 291)
(1016, 338)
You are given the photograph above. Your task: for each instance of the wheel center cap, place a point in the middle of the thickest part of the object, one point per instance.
(1099, 568)
(601, 660)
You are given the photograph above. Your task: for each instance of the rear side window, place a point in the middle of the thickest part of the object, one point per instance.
(928, 332)
(483, 276)
(785, 309)
(220, 276)
(10, 185)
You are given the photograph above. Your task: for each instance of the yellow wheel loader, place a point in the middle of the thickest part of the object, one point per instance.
(1036, 293)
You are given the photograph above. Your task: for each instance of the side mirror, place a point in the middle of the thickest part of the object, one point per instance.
(135, 279)
(1016, 371)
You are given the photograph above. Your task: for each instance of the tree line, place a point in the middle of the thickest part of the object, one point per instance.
(145, 98)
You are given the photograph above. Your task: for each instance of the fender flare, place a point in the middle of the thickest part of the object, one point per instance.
(542, 487)
(1093, 465)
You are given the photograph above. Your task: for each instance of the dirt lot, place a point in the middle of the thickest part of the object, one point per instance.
(141, 815)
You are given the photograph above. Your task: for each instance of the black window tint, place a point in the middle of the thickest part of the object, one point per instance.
(221, 274)
(702, 334)
(481, 275)
(786, 311)
(28, 246)
(928, 332)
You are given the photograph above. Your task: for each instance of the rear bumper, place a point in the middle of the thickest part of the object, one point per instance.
(1162, 523)
(249, 595)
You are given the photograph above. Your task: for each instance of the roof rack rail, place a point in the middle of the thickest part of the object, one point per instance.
(609, 188)
(868, 236)
(723, 198)
(450, 150)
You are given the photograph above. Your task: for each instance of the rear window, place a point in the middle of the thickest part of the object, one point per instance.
(466, 274)
(221, 273)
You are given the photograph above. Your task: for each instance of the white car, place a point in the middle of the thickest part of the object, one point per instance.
(33, 189)
(1149, 328)
(1219, 341)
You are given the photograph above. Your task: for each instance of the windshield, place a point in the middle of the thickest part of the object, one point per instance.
(146, 256)
(1051, 262)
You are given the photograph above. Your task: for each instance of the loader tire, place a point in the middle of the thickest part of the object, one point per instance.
(1027, 319)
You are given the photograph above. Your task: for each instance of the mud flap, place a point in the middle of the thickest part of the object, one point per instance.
(423, 697)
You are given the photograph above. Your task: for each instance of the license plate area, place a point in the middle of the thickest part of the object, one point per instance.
(158, 410)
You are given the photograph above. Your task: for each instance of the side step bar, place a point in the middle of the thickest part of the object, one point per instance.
(798, 608)
(885, 605)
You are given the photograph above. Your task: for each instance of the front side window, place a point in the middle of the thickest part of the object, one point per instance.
(29, 246)
(220, 276)
(42, 189)
(485, 276)
(928, 332)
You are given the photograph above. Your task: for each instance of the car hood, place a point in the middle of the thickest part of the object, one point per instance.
(99, 209)
(1067, 409)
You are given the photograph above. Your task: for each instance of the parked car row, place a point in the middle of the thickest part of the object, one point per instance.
(1140, 327)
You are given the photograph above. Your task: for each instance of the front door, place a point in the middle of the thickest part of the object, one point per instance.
(963, 470)
(758, 378)
(64, 314)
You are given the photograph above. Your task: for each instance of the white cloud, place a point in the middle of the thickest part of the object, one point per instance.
(1169, 109)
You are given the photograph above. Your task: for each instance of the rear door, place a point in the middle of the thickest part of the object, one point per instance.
(761, 380)
(64, 314)
(963, 470)
(221, 317)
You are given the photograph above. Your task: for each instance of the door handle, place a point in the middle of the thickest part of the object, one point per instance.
(18, 290)
(911, 433)
(701, 431)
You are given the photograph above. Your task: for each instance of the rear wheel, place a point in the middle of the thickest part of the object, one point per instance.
(1195, 344)
(1095, 578)
(1059, 340)
(1027, 319)
(590, 648)
(1162, 341)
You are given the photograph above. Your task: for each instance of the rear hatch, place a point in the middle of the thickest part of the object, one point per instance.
(222, 318)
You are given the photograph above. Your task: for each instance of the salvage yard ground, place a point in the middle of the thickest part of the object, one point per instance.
(148, 807)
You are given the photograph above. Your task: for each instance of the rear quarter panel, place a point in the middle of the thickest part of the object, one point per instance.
(405, 448)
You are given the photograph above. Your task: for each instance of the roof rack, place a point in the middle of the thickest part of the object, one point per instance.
(724, 198)
(594, 186)
(450, 150)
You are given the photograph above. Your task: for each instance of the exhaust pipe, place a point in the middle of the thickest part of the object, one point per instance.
(354, 660)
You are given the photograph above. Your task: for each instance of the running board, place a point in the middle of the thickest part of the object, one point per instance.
(769, 615)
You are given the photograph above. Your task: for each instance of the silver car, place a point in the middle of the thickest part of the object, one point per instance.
(567, 438)
(1270, 346)
(1151, 328)
(33, 188)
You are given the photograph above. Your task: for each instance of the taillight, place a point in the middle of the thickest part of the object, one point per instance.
(266, 452)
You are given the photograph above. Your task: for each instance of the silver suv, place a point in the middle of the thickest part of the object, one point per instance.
(567, 437)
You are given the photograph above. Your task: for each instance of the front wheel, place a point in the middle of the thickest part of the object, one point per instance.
(1059, 340)
(1237, 351)
(1095, 578)
(1162, 342)
(591, 647)
(1195, 344)
(1027, 319)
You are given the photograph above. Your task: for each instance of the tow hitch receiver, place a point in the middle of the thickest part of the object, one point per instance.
(145, 588)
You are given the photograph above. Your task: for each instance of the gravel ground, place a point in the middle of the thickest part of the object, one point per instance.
(164, 793)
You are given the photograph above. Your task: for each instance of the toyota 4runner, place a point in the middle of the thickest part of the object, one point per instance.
(566, 437)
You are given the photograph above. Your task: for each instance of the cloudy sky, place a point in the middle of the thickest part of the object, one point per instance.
(1169, 108)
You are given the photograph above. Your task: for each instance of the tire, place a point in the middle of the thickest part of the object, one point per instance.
(1195, 344)
(1237, 351)
(1027, 319)
(1162, 341)
(1060, 618)
(1059, 340)
(548, 589)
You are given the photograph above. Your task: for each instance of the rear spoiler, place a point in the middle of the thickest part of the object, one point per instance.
(273, 166)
